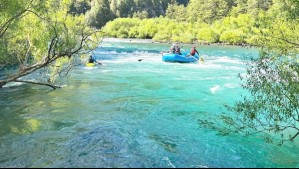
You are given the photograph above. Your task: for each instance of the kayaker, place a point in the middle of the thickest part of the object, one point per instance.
(92, 60)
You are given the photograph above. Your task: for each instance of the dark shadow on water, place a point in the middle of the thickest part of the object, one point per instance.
(164, 141)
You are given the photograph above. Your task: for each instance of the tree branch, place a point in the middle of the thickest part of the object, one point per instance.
(39, 83)
(286, 40)
(6, 25)
(295, 136)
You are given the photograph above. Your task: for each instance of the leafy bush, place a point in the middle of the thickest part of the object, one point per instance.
(208, 35)
(232, 36)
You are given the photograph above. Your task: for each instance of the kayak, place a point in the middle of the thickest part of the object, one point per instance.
(183, 58)
(90, 64)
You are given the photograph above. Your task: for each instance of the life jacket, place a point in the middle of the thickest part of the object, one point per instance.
(192, 51)
(90, 60)
(177, 50)
(172, 49)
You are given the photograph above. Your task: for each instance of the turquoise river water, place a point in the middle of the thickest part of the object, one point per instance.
(130, 113)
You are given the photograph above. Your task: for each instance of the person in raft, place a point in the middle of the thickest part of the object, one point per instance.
(172, 48)
(192, 53)
(178, 50)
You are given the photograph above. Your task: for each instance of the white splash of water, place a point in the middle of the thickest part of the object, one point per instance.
(214, 89)
(13, 84)
(169, 163)
(231, 85)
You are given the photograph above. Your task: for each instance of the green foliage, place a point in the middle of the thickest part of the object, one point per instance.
(182, 32)
(38, 34)
(237, 29)
(125, 8)
(140, 8)
(121, 27)
(273, 106)
(9, 8)
(4, 54)
(141, 15)
(292, 7)
(239, 18)
(79, 7)
(148, 28)
(207, 11)
(56, 67)
(208, 35)
(272, 79)
(99, 14)
(279, 34)
(176, 12)
(241, 7)
(162, 36)
(232, 36)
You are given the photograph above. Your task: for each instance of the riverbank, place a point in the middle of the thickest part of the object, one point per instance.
(133, 40)
(128, 40)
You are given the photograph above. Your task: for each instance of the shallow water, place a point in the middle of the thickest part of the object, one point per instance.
(130, 113)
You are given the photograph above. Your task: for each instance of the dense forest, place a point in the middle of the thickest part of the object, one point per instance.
(187, 21)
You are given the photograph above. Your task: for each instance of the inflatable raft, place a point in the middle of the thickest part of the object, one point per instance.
(183, 58)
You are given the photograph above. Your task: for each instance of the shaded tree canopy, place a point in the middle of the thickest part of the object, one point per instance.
(40, 37)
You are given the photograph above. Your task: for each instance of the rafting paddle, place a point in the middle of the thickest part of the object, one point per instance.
(139, 60)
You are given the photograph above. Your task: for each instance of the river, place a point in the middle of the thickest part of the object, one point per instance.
(134, 110)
